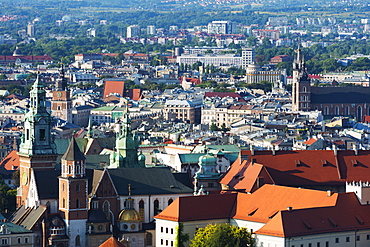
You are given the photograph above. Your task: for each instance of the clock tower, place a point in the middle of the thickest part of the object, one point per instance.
(61, 103)
(37, 148)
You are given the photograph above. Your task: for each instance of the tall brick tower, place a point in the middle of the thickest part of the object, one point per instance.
(301, 90)
(73, 194)
(61, 103)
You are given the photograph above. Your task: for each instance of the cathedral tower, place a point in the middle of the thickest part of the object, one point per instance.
(73, 189)
(301, 90)
(127, 144)
(61, 103)
(37, 148)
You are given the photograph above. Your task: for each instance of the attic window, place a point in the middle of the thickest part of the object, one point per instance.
(307, 224)
(272, 215)
(359, 219)
(354, 162)
(333, 222)
(324, 163)
(252, 212)
(297, 163)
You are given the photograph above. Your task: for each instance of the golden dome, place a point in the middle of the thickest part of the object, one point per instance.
(129, 215)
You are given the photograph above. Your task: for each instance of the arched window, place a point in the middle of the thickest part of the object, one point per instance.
(326, 110)
(359, 113)
(69, 169)
(78, 169)
(77, 203)
(106, 209)
(156, 207)
(170, 201)
(58, 108)
(64, 203)
(141, 209)
(78, 241)
(78, 188)
(149, 239)
(337, 110)
(347, 110)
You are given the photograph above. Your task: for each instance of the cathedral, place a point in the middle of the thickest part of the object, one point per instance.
(67, 204)
(331, 101)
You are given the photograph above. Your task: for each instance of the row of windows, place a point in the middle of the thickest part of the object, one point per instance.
(167, 230)
(168, 243)
(337, 240)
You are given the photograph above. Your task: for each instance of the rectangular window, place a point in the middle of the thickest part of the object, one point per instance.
(368, 237)
(166, 242)
(327, 244)
(357, 238)
(161, 241)
(318, 244)
(4, 241)
(42, 135)
(26, 240)
(309, 245)
(161, 228)
(27, 134)
(166, 229)
(171, 230)
(347, 239)
(336, 240)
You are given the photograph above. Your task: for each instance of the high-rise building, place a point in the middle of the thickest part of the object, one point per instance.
(221, 27)
(150, 30)
(133, 31)
(31, 30)
(247, 57)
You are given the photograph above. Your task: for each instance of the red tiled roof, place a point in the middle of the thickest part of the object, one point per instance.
(11, 161)
(187, 208)
(346, 215)
(306, 167)
(114, 87)
(112, 242)
(224, 94)
(310, 141)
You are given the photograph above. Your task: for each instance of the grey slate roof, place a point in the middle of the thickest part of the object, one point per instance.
(73, 152)
(47, 183)
(147, 181)
(332, 95)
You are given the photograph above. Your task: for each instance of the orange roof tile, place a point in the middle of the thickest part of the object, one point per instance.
(11, 161)
(310, 141)
(111, 242)
(188, 209)
(300, 168)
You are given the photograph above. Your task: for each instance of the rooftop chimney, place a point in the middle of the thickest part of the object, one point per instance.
(329, 193)
(355, 149)
(289, 208)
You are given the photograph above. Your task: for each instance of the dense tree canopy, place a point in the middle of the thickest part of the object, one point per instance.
(222, 235)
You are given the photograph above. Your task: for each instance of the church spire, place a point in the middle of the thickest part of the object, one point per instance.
(127, 143)
(37, 138)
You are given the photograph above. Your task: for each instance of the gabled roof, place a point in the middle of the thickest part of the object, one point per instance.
(73, 152)
(112, 242)
(346, 215)
(310, 167)
(147, 181)
(11, 161)
(189, 209)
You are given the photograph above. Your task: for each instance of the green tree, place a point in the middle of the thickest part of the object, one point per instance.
(213, 127)
(7, 197)
(181, 237)
(222, 235)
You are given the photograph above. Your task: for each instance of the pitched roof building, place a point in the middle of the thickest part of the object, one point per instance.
(277, 215)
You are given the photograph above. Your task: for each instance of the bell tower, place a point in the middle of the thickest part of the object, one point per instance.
(127, 143)
(301, 90)
(73, 194)
(61, 103)
(37, 149)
